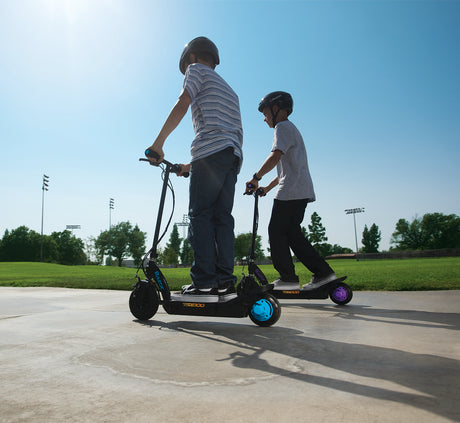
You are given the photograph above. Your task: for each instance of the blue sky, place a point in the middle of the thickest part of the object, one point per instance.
(85, 86)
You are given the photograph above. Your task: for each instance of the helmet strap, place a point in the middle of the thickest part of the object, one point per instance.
(274, 115)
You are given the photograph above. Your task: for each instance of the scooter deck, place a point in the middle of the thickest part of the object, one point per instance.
(234, 307)
(320, 293)
(230, 305)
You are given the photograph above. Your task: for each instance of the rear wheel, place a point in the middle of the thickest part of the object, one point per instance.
(265, 311)
(341, 294)
(144, 301)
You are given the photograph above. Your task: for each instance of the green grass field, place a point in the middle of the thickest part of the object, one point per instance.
(373, 275)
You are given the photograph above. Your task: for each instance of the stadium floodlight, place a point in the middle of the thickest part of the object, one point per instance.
(45, 185)
(353, 212)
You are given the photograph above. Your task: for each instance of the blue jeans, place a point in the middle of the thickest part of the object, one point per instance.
(212, 188)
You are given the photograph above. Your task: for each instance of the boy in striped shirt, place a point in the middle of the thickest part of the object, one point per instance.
(216, 157)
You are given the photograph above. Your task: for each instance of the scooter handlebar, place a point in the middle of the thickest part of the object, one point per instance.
(176, 168)
(250, 190)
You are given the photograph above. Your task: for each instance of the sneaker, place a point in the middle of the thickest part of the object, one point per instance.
(279, 284)
(226, 292)
(192, 290)
(317, 281)
(225, 289)
(193, 294)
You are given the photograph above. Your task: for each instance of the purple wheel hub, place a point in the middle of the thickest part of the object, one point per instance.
(340, 294)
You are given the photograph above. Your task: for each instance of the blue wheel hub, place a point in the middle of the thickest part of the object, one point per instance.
(262, 310)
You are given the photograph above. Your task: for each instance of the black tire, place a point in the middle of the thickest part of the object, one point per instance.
(341, 294)
(144, 301)
(265, 311)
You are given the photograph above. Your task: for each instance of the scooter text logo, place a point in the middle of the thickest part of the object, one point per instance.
(196, 305)
(157, 277)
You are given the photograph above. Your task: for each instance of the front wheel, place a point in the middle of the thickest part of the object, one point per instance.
(144, 301)
(265, 311)
(341, 294)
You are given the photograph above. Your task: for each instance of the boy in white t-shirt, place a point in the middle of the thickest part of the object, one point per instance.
(295, 191)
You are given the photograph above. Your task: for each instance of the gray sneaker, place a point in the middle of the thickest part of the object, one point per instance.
(317, 281)
(281, 285)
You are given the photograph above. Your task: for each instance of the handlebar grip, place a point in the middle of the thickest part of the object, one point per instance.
(152, 154)
(174, 167)
(177, 169)
(250, 190)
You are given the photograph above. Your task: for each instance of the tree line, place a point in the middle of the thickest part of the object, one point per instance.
(430, 232)
(121, 241)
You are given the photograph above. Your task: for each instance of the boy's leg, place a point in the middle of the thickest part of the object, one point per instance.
(224, 222)
(301, 246)
(278, 230)
(207, 180)
(204, 187)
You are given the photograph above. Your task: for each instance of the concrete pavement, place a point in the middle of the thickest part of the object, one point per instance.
(80, 356)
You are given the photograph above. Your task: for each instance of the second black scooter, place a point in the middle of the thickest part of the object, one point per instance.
(338, 291)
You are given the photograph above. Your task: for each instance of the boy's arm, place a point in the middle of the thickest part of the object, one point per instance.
(270, 162)
(269, 187)
(172, 121)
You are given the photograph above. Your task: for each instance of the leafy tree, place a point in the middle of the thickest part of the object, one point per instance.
(337, 249)
(186, 254)
(433, 231)
(317, 232)
(69, 248)
(121, 241)
(371, 239)
(407, 236)
(317, 235)
(21, 244)
(172, 251)
(243, 246)
(169, 256)
(137, 245)
(101, 244)
(24, 244)
(324, 249)
(440, 231)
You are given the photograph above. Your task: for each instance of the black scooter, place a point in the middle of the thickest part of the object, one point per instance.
(338, 291)
(250, 298)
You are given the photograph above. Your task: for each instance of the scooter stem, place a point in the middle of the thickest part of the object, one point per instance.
(153, 252)
(255, 224)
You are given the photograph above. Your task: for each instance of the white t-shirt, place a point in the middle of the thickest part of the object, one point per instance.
(294, 180)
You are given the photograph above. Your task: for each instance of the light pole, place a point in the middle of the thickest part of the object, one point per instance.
(111, 207)
(44, 188)
(111, 204)
(353, 212)
(185, 222)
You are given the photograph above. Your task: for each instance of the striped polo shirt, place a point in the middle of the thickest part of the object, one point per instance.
(215, 113)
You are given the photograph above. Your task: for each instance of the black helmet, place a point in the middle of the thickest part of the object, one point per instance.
(282, 99)
(199, 45)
